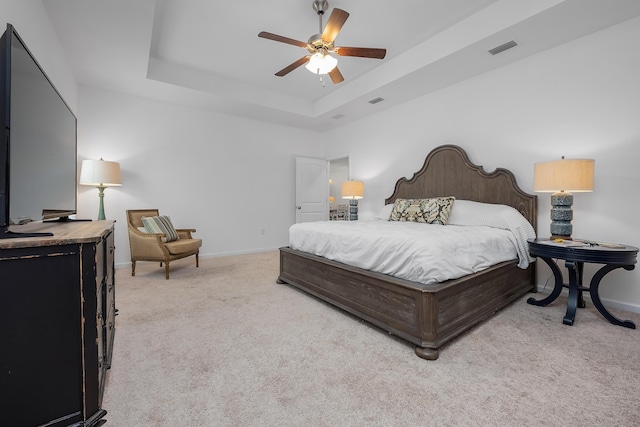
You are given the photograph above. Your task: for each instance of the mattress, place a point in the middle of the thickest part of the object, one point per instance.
(425, 253)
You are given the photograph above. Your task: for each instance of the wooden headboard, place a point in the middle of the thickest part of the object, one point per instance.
(447, 171)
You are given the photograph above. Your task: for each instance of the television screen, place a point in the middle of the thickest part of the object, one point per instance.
(42, 162)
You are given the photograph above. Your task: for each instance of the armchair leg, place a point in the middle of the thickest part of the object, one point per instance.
(166, 270)
(133, 268)
(197, 260)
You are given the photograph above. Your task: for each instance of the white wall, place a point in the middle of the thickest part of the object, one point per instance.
(31, 21)
(228, 177)
(581, 99)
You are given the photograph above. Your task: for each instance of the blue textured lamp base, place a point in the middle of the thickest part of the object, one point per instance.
(561, 215)
(353, 210)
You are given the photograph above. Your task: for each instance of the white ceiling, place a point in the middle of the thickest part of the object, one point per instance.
(207, 54)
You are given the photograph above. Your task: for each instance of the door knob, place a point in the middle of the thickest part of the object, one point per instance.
(298, 207)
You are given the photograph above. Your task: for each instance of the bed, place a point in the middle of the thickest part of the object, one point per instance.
(425, 314)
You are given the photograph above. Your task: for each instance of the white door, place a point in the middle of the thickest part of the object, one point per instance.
(312, 189)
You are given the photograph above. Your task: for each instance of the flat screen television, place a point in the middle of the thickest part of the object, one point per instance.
(38, 153)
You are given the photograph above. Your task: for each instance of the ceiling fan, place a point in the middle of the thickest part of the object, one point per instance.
(320, 46)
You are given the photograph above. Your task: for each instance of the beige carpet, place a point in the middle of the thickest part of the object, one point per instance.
(224, 345)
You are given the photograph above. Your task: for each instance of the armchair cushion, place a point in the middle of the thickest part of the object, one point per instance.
(161, 224)
(182, 246)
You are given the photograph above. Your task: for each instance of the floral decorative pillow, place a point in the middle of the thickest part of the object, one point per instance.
(430, 211)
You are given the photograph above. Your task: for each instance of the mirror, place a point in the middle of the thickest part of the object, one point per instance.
(338, 173)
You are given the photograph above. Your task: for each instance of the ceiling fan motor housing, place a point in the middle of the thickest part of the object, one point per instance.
(316, 44)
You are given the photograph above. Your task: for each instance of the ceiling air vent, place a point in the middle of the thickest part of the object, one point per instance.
(376, 100)
(498, 49)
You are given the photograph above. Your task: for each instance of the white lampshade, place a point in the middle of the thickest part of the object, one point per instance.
(572, 175)
(353, 190)
(100, 173)
(562, 178)
(321, 64)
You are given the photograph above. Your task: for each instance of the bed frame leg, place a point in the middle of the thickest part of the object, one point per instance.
(427, 353)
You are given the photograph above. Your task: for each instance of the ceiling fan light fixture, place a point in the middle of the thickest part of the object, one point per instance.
(321, 64)
(320, 46)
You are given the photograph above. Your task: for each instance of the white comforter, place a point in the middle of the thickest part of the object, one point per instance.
(424, 253)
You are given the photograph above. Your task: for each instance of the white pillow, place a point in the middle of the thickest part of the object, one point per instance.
(385, 212)
(467, 212)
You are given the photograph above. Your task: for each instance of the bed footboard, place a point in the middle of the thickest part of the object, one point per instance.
(425, 315)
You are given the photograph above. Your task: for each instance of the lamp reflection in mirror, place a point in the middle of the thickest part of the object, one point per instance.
(100, 174)
(353, 191)
(562, 178)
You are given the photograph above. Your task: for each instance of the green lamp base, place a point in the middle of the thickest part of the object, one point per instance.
(101, 209)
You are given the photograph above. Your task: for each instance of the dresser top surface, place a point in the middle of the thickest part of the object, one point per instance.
(63, 233)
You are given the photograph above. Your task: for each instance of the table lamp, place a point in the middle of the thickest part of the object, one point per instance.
(100, 174)
(353, 191)
(562, 178)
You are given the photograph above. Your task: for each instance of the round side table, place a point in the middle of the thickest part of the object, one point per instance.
(575, 253)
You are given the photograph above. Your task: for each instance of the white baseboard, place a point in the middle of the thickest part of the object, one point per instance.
(214, 255)
(250, 251)
(608, 303)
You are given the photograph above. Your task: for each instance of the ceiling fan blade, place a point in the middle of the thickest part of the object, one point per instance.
(336, 76)
(282, 39)
(289, 68)
(362, 52)
(334, 24)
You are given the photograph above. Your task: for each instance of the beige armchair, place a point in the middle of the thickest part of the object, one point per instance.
(152, 247)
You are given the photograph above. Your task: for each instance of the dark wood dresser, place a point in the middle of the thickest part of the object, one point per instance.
(57, 323)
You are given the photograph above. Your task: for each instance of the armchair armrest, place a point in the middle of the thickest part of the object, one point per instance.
(149, 245)
(185, 233)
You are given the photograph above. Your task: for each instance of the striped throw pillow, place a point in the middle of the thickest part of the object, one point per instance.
(160, 224)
